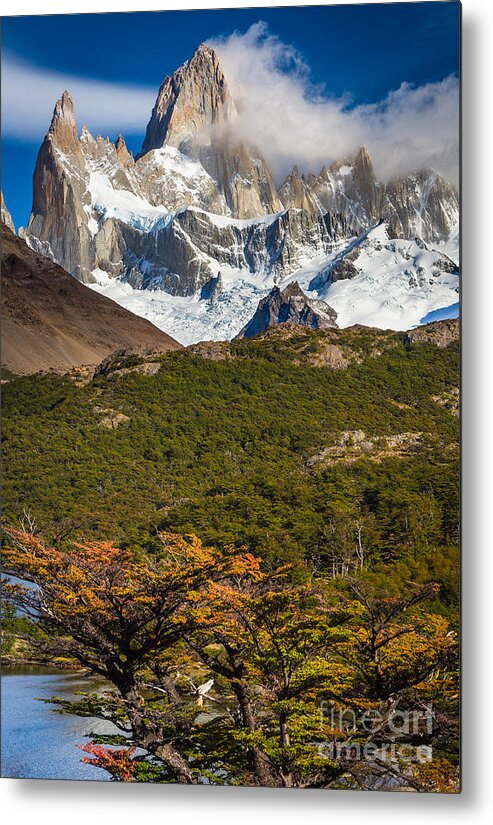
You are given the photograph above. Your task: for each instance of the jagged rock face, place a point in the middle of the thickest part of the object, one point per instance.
(125, 158)
(6, 217)
(290, 305)
(295, 194)
(366, 186)
(59, 194)
(72, 180)
(191, 104)
(423, 204)
(182, 256)
(243, 177)
(349, 186)
(193, 113)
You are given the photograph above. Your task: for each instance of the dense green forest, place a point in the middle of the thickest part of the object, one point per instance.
(331, 455)
(225, 448)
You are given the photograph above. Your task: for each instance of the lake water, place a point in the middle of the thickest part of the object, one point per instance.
(37, 743)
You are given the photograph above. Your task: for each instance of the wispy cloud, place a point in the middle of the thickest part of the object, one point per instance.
(29, 94)
(292, 121)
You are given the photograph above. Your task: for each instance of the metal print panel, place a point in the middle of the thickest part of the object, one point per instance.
(230, 357)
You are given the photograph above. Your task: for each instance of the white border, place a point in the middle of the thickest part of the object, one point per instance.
(58, 802)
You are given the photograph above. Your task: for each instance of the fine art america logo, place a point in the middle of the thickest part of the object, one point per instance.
(374, 736)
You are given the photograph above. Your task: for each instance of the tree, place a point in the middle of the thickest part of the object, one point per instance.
(115, 614)
(268, 640)
(403, 674)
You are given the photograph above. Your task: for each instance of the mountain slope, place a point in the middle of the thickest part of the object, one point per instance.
(382, 281)
(372, 279)
(50, 321)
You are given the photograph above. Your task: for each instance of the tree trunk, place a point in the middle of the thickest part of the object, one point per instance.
(151, 740)
(285, 741)
(177, 764)
(283, 730)
(259, 762)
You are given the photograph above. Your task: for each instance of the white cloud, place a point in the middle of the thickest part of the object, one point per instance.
(291, 121)
(29, 94)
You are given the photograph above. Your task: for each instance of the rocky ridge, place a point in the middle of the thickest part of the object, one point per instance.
(289, 306)
(439, 333)
(96, 208)
(423, 204)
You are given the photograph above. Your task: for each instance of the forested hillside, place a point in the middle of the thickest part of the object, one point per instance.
(338, 447)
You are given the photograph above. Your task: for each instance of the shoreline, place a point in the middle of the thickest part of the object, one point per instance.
(10, 661)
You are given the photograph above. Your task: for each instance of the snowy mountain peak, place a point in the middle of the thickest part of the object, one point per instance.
(193, 113)
(189, 104)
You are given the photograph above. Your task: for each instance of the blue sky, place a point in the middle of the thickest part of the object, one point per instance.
(363, 52)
